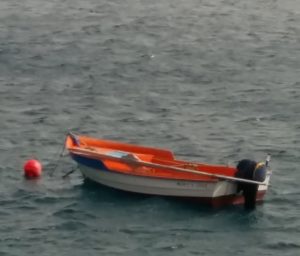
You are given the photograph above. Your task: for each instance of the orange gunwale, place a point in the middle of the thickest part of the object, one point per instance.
(102, 150)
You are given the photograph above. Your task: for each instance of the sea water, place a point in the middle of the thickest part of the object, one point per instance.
(214, 81)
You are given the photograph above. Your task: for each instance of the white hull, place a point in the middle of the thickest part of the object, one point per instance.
(164, 187)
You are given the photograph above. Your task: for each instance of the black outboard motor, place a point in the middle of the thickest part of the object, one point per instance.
(251, 170)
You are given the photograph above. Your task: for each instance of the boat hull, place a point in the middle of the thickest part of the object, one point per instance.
(216, 194)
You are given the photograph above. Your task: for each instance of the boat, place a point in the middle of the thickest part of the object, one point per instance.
(155, 171)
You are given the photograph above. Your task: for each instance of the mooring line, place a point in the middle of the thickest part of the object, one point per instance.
(59, 159)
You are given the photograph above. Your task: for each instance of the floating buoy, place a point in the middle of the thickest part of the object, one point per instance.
(32, 169)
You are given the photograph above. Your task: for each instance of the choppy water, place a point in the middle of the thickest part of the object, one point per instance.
(215, 81)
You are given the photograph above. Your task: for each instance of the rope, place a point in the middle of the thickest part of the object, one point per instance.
(51, 173)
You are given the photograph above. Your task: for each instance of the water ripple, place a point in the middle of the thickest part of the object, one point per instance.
(215, 82)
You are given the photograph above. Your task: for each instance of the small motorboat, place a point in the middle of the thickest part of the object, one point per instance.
(154, 171)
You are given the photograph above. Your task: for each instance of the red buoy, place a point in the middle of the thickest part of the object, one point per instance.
(32, 169)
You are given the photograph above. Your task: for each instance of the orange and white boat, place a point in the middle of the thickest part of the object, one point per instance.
(155, 171)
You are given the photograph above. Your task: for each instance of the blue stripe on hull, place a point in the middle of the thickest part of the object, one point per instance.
(92, 163)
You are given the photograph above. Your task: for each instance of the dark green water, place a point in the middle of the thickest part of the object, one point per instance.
(214, 81)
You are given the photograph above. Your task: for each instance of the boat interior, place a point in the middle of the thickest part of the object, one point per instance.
(114, 154)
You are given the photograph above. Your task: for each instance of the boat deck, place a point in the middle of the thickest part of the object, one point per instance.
(133, 159)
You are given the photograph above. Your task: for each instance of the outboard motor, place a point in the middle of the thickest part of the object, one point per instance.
(251, 170)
